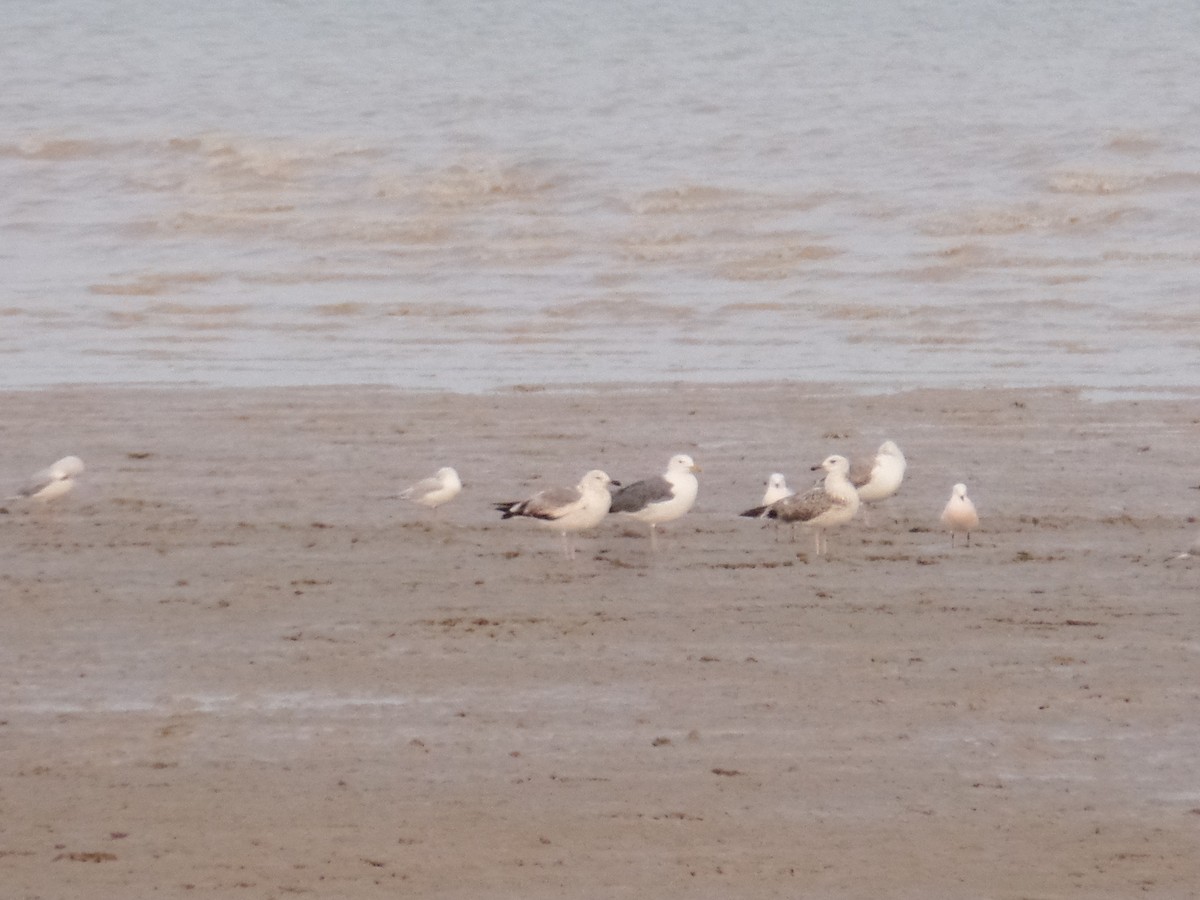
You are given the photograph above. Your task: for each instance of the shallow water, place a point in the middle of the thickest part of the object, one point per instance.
(886, 194)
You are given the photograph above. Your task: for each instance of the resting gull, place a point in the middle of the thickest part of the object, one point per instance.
(1191, 552)
(831, 503)
(662, 498)
(51, 482)
(432, 492)
(960, 514)
(566, 509)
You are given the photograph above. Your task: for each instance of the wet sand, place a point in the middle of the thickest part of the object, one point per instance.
(235, 667)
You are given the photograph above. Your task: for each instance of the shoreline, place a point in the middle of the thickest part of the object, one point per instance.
(829, 388)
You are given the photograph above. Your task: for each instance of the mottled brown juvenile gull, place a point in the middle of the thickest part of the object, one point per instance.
(432, 492)
(662, 498)
(566, 510)
(960, 514)
(51, 482)
(830, 504)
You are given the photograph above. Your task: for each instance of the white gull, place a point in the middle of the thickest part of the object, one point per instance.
(432, 492)
(880, 476)
(777, 489)
(51, 482)
(959, 514)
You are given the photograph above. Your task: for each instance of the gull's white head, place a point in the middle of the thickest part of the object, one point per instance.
(447, 475)
(834, 463)
(777, 482)
(596, 479)
(959, 492)
(682, 463)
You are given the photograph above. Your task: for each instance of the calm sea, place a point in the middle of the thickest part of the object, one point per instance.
(467, 196)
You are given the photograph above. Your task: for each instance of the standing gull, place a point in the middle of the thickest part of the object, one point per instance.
(566, 509)
(879, 476)
(51, 482)
(431, 493)
(829, 504)
(960, 514)
(662, 498)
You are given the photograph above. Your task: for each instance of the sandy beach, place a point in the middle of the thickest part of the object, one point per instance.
(236, 666)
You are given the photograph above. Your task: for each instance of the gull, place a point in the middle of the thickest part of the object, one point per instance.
(960, 514)
(776, 490)
(880, 476)
(662, 498)
(1191, 552)
(432, 492)
(831, 503)
(51, 482)
(566, 509)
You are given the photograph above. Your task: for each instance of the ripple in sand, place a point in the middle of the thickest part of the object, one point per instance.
(1030, 217)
